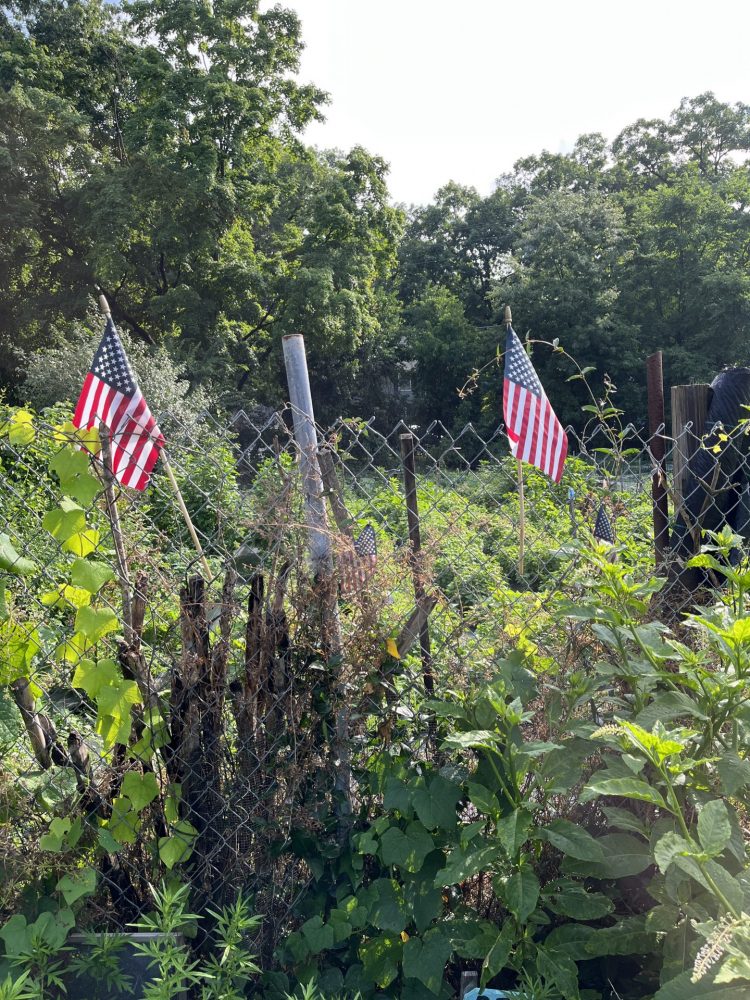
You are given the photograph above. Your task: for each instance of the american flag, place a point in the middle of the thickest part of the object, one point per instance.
(603, 527)
(357, 564)
(110, 396)
(535, 434)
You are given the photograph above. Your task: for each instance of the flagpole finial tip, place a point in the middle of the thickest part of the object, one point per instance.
(507, 316)
(104, 306)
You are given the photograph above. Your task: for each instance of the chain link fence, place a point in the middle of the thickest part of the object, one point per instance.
(220, 727)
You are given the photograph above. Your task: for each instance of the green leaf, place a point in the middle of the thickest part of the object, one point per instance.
(477, 739)
(572, 900)
(75, 887)
(572, 840)
(385, 904)
(380, 958)
(53, 839)
(20, 428)
(19, 644)
(76, 597)
(667, 848)
(406, 849)
(72, 469)
(107, 841)
(714, 827)
(318, 935)
(92, 677)
(513, 831)
(141, 789)
(623, 855)
(176, 849)
(124, 823)
(95, 623)
(90, 575)
(624, 819)
(435, 804)
(425, 959)
(499, 953)
(398, 795)
(64, 521)
(520, 893)
(484, 799)
(463, 863)
(559, 969)
(16, 935)
(682, 988)
(11, 561)
(82, 543)
(626, 937)
(629, 788)
(472, 938)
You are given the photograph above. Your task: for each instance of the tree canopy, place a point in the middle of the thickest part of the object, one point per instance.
(152, 150)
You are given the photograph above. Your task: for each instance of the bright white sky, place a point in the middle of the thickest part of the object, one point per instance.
(460, 89)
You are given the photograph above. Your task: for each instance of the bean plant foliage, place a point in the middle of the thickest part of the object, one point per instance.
(588, 832)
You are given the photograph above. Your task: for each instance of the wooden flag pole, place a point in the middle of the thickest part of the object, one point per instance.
(508, 320)
(104, 306)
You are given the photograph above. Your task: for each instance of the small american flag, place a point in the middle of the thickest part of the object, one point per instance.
(603, 527)
(535, 434)
(357, 564)
(110, 396)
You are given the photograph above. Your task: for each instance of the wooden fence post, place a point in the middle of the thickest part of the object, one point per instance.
(689, 412)
(415, 546)
(655, 385)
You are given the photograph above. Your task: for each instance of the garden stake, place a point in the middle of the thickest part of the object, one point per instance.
(508, 320)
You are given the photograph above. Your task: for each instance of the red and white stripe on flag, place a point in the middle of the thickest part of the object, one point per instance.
(535, 434)
(111, 397)
(357, 563)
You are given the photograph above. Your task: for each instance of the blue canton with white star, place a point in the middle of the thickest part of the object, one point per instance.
(111, 365)
(518, 368)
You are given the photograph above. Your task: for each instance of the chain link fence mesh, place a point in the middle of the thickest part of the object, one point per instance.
(211, 736)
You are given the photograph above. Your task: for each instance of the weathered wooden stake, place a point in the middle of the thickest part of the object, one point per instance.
(415, 547)
(655, 386)
(689, 412)
(508, 320)
(113, 516)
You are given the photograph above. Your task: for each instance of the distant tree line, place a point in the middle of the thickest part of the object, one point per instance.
(152, 150)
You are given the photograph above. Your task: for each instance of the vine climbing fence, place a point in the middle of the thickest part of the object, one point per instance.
(220, 731)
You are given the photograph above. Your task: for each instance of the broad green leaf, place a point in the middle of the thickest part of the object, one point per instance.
(572, 840)
(435, 803)
(90, 575)
(570, 939)
(141, 789)
(471, 938)
(572, 900)
(499, 953)
(407, 849)
(477, 739)
(463, 863)
(734, 772)
(11, 561)
(384, 900)
(95, 623)
(64, 521)
(513, 830)
(318, 935)
(425, 959)
(559, 969)
(484, 799)
(714, 828)
(628, 788)
(20, 428)
(683, 988)
(622, 855)
(75, 887)
(82, 543)
(398, 795)
(381, 957)
(520, 893)
(177, 849)
(53, 839)
(65, 594)
(626, 937)
(624, 819)
(668, 848)
(124, 823)
(19, 644)
(107, 841)
(16, 935)
(71, 466)
(72, 649)
(91, 677)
